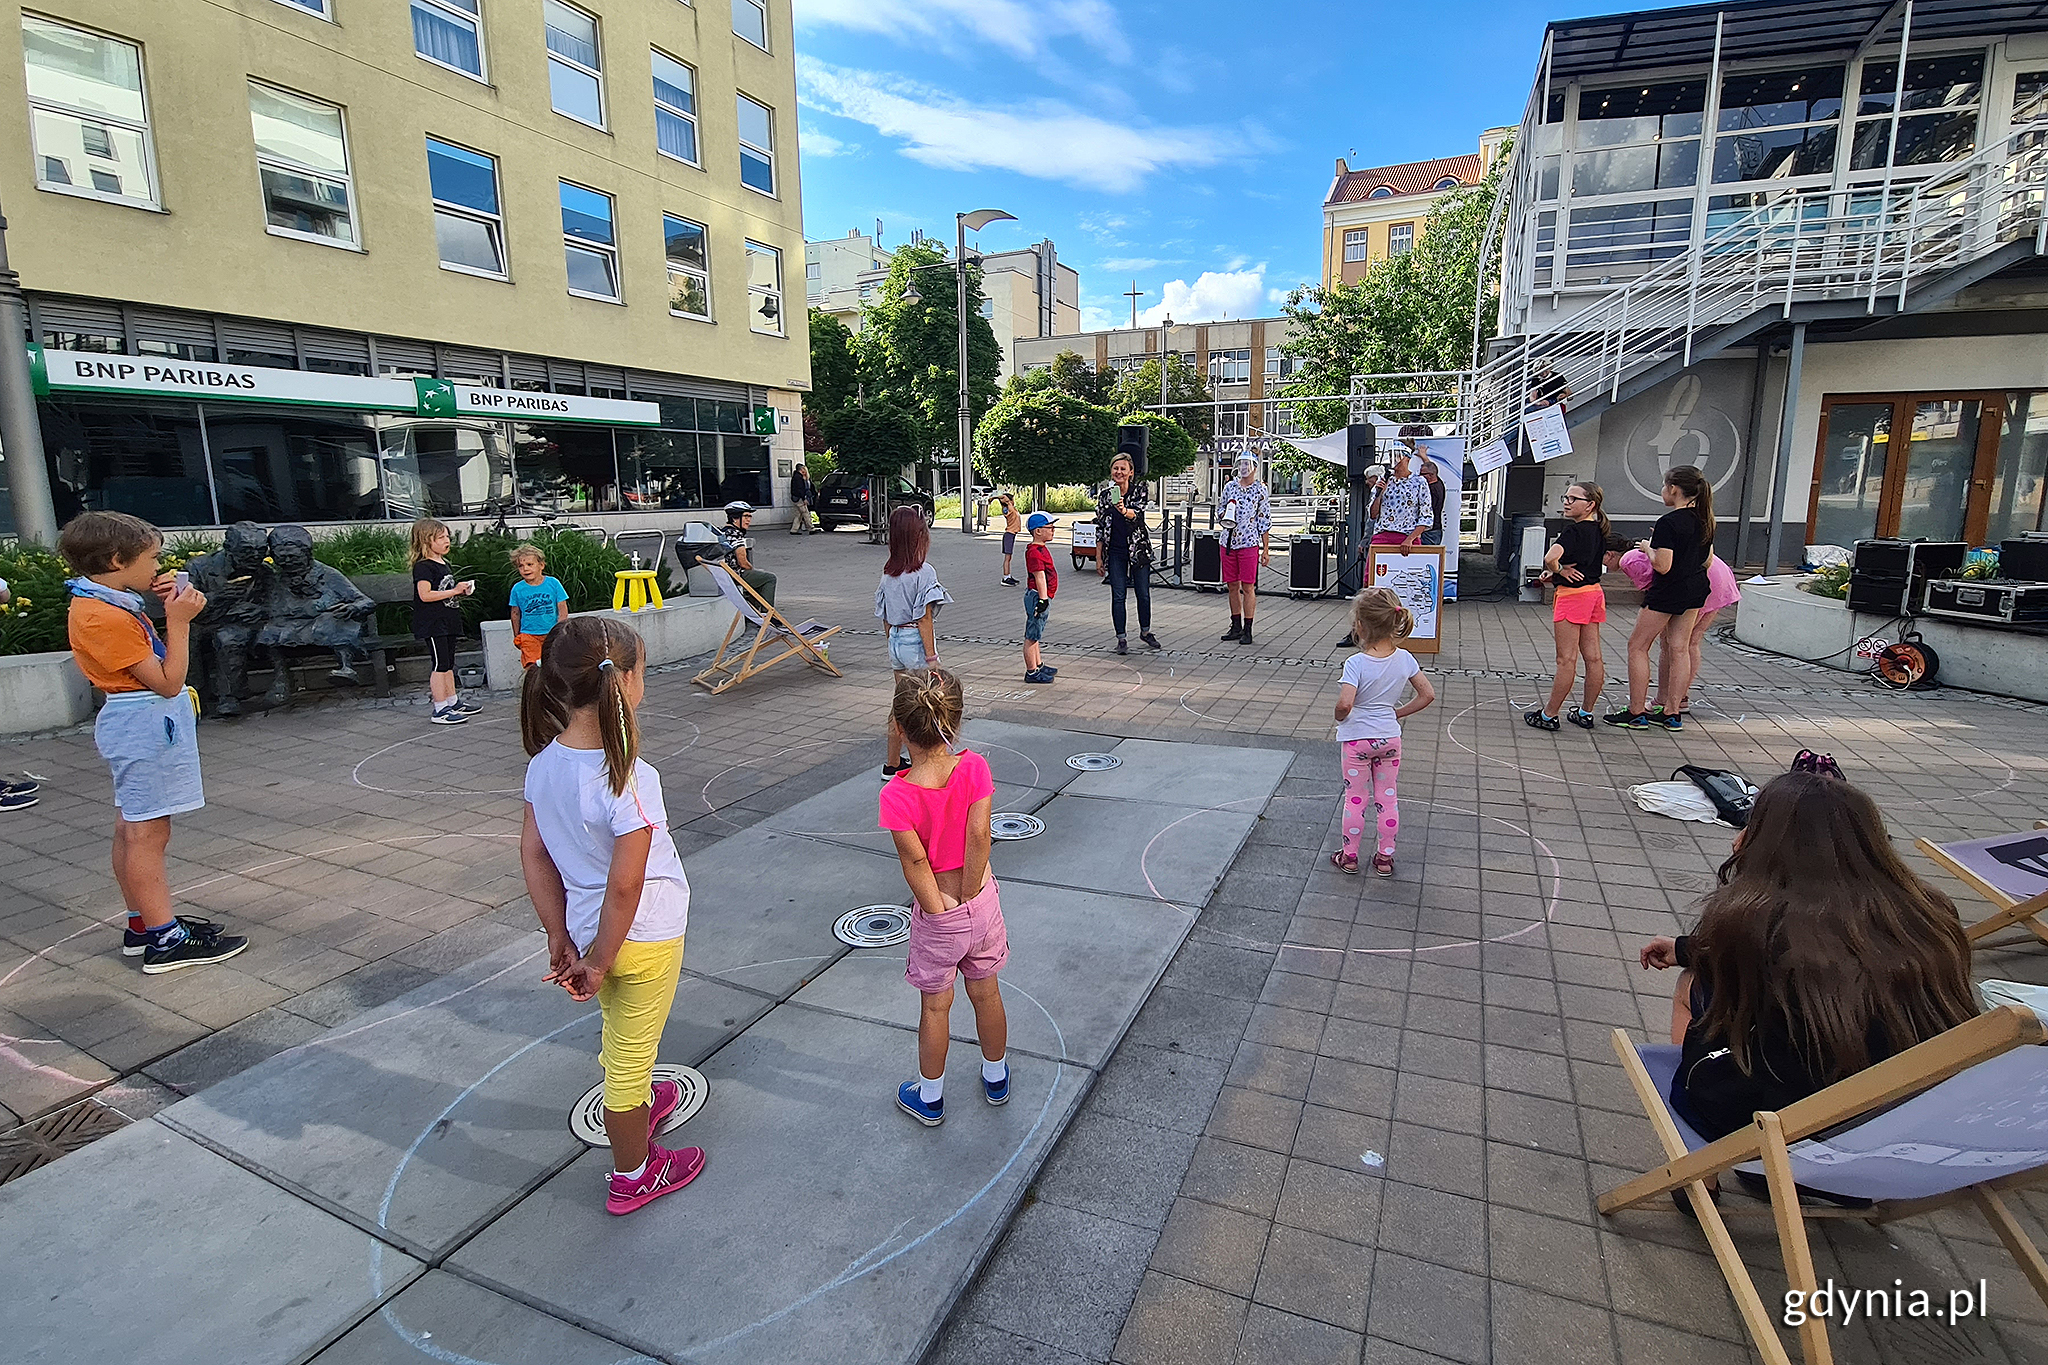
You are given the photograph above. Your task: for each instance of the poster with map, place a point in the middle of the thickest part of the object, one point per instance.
(1416, 575)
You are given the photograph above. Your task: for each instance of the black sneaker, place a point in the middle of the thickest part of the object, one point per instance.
(1627, 720)
(12, 798)
(26, 786)
(1009, 582)
(467, 708)
(1048, 670)
(133, 941)
(1151, 640)
(1039, 676)
(192, 951)
(1121, 647)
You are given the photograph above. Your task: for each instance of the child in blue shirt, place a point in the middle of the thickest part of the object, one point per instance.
(538, 602)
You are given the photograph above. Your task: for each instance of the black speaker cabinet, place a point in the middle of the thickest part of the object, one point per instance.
(2024, 560)
(1360, 448)
(1131, 443)
(1889, 576)
(1307, 563)
(1208, 567)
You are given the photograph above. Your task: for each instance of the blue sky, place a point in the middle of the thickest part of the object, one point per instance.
(1186, 144)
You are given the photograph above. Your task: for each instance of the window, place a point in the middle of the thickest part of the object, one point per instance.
(1232, 420)
(575, 69)
(689, 268)
(1280, 366)
(302, 159)
(1355, 240)
(764, 289)
(750, 21)
(318, 7)
(91, 125)
(1947, 88)
(1383, 192)
(1607, 241)
(1400, 239)
(813, 270)
(675, 108)
(1638, 138)
(1230, 366)
(1282, 419)
(591, 247)
(1775, 124)
(1449, 182)
(757, 146)
(467, 225)
(446, 32)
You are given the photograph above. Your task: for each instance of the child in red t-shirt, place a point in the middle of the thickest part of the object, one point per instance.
(938, 811)
(1041, 584)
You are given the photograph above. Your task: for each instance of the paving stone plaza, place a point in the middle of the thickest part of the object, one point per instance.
(1262, 1111)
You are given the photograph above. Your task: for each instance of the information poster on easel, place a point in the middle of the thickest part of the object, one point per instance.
(1415, 573)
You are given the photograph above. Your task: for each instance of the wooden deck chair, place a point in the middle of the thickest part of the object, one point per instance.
(772, 632)
(2009, 870)
(1958, 1118)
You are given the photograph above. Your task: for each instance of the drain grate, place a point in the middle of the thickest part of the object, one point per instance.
(1094, 763)
(53, 1135)
(1012, 825)
(874, 926)
(586, 1120)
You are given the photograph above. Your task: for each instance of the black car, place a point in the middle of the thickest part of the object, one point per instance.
(842, 499)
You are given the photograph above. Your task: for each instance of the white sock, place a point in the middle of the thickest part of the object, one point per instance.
(993, 1071)
(636, 1172)
(930, 1090)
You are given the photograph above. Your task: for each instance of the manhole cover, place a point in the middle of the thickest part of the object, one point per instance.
(874, 926)
(53, 1135)
(1012, 825)
(1095, 763)
(586, 1120)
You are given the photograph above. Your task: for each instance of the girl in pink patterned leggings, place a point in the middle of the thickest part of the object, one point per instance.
(1369, 725)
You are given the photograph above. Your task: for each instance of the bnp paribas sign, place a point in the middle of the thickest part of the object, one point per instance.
(86, 372)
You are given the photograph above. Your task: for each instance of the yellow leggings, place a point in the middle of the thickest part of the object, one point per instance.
(635, 1000)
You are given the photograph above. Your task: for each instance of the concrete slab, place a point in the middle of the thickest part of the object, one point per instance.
(445, 1317)
(1132, 848)
(434, 1114)
(1188, 775)
(79, 1261)
(1080, 966)
(827, 1226)
(1030, 755)
(846, 814)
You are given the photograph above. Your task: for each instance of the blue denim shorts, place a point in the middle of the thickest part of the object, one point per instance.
(152, 745)
(906, 650)
(1034, 624)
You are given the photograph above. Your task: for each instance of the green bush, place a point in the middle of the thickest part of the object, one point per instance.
(1069, 498)
(1832, 581)
(33, 622)
(586, 570)
(366, 550)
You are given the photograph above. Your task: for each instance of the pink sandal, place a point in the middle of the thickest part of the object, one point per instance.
(1382, 865)
(1344, 862)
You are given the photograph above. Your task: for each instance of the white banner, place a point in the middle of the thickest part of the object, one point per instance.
(1447, 453)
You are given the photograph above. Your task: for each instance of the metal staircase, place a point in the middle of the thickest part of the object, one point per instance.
(1877, 250)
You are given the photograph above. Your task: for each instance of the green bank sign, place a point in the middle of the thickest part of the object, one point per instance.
(82, 372)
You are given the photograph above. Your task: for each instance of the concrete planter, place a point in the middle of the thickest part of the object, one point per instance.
(42, 692)
(686, 627)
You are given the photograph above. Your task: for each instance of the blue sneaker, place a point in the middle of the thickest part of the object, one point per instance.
(997, 1092)
(910, 1099)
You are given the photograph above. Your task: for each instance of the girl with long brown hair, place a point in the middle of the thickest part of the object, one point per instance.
(1678, 547)
(607, 883)
(908, 600)
(1575, 564)
(1819, 954)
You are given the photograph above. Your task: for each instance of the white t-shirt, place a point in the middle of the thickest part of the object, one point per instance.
(579, 819)
(1380, 683)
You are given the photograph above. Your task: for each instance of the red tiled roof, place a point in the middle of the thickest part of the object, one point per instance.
(1410, 177)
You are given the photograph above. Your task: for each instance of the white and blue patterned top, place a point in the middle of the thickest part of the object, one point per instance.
(1254, 514)
(1406, 506)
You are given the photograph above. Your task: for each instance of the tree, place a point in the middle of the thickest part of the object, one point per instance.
(1408, 313)
(908, 351)
(814, 433)
(1069, 374)
(877, 438)
(1045, 437)
(834, 375)
(1138, 390)
(1169, 450)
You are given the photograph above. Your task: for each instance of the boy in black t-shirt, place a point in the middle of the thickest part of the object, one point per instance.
(437, 617)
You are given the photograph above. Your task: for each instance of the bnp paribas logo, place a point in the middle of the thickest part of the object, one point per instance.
(436, 397)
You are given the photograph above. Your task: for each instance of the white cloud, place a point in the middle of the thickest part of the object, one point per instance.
(1120, 264)
(812, 142)
(1043, 139)
(1214, 297)
(1023, 29)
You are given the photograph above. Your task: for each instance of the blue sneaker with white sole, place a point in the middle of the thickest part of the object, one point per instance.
(910, 1099)
(996, 1092)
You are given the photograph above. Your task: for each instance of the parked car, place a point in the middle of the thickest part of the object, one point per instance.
(842, 499)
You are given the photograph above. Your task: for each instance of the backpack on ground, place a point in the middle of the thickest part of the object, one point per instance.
(1732, 797)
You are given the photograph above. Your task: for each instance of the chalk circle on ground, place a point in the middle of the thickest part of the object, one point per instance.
(1094, 763)
(874, 926)
(1013, 825)
(586, 1120)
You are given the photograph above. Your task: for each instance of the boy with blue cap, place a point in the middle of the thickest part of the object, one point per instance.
(1041, 582)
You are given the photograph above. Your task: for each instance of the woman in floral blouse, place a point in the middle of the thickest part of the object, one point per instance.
(1124, 549)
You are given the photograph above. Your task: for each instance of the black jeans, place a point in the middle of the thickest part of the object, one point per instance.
(1139, 580)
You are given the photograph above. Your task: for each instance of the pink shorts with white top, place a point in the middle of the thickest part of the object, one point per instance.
(970, 939)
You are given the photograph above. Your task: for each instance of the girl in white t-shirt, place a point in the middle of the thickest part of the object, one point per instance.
(607, 883)
(1369, 714)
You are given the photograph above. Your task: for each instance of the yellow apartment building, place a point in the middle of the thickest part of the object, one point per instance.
(1379, 211)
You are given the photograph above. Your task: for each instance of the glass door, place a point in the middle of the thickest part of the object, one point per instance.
(1849, 478)
(2022, 469)
(1939, 463)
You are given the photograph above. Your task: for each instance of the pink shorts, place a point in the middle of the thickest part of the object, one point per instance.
(969, 939)
(1586, 606)
(1241, 566)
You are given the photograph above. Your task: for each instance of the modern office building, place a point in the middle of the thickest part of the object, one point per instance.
(1380, 211)
(1799, 244)
(346, 260)
(1026, 293)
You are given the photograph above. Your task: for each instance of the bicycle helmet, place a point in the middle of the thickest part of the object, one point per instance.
(736, 509)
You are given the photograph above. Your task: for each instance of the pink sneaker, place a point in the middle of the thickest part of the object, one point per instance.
(666, 1170)
(668, 1097)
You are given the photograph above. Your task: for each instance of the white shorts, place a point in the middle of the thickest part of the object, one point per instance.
(151, 744)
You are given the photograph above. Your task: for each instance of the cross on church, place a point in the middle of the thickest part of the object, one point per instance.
(1134, 294)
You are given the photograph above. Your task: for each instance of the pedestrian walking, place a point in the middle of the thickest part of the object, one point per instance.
(800, 501)
(1124, 546)
(1246, 513)
(1369, 716)
(908, 599)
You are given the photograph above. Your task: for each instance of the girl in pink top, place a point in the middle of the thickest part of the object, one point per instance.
(1721, 592)
(938, 811)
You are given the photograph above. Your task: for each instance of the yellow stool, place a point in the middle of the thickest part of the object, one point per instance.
(636, 590)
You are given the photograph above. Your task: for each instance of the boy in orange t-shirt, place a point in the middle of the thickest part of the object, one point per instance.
(148, 729)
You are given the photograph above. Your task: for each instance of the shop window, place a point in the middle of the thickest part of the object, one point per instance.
(275, 464)
(564, 467)
(737, 471)
(675, 108)
(757, 146)
(658, 469)
(302, 159)
(449, 33)
(148, 459)
(2022, 474)
(1937, 114)
(88, 114)
(689, 268)
(575, 63)
(764, 289)
(590, 245)
(445, 469)
(750, 21)
(467, 225)
(99, 343)
(178, 350)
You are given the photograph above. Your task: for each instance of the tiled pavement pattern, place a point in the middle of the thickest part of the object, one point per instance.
(1210, 1201)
